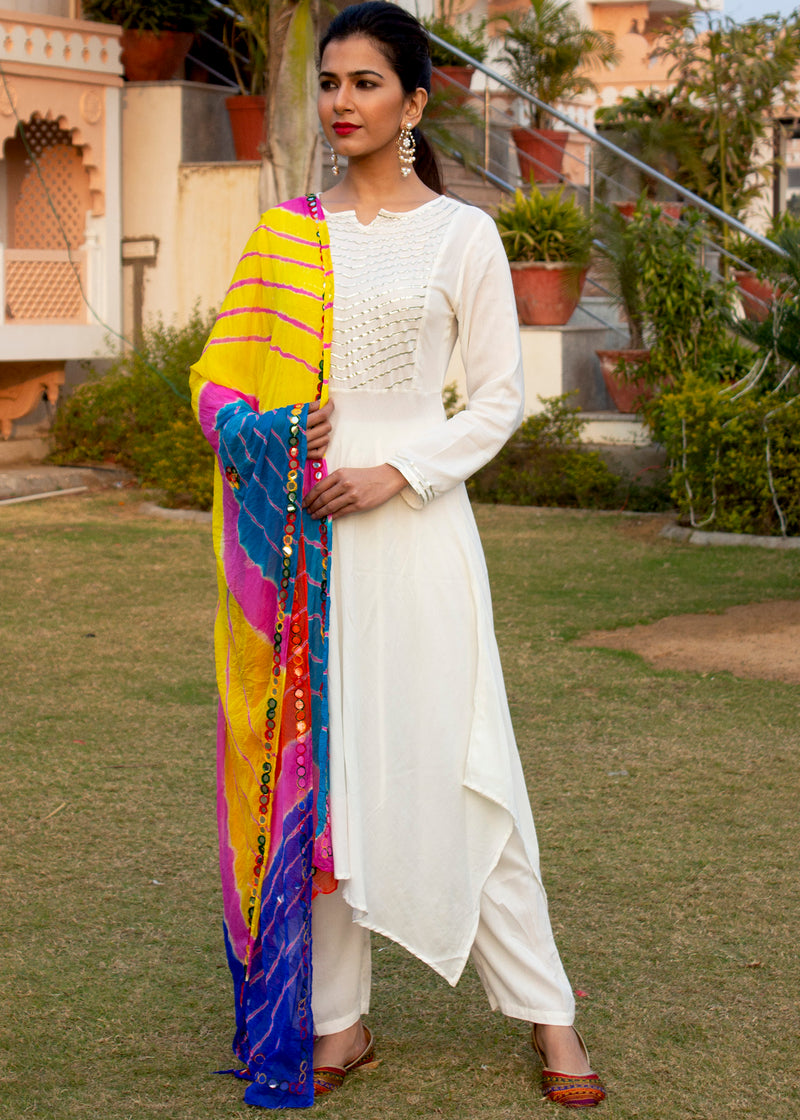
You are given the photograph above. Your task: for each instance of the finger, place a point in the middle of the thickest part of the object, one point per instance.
(333, 502)
(333, 508)
(317, 492)
(319, 431)
(317, 415)
(338, 500)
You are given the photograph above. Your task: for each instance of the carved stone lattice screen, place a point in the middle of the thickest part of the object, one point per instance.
(47, 213)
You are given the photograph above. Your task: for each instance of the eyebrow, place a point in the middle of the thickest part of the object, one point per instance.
(352, 74)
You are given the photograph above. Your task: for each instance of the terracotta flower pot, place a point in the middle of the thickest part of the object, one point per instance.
(546, 292)
(623, 392)
(540, 153)
(154, 56)
(451, 80)
(247, 114)
(757, 294)
(668, 209)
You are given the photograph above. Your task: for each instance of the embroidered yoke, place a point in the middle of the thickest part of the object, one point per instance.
(267, 356)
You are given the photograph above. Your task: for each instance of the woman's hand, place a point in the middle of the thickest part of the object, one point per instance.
(353, 490)
(318, 431)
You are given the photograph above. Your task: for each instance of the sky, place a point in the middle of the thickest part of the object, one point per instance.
(741, 10)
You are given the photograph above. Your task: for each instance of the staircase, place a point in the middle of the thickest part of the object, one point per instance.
(469, 186)
(559, 359)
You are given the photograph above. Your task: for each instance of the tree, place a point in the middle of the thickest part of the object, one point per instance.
(548, 47)
(291, 153)
(729, 79)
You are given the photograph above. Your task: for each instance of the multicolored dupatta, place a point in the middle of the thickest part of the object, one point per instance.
(267, 357)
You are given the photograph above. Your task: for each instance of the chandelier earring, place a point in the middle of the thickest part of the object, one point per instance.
(334, 162)
(406, 150)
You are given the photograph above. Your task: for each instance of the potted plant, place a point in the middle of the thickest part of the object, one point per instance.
(674, 305)
(618, 261)
(449, 70)
(248, 38)
(777, 335)
(548, 241)
(156, 35)
(759, 271)
(650, 127)
(547, 50)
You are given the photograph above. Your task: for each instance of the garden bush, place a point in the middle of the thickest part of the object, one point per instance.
(544, 464)
(139, 415)
(735, 461)
(687, 310)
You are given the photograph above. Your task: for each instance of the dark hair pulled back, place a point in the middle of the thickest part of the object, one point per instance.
(404, 43)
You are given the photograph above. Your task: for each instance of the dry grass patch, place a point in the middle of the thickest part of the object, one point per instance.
(665, 803)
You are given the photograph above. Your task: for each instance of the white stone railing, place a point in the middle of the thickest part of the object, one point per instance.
(53, 42)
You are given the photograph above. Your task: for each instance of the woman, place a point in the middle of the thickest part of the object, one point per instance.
(355, 599)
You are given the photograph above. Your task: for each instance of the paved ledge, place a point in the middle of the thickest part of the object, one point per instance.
(699, 536)
(176, 514)
(40, 480)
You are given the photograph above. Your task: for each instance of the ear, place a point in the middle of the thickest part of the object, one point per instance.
(415, 103)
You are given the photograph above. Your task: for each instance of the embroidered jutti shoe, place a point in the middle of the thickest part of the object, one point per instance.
(569, 1089)
(329, 1078)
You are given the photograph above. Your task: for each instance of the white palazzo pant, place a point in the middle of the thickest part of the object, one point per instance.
(514, 952)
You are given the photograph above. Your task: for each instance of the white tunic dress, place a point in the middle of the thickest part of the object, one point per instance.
(426, 783)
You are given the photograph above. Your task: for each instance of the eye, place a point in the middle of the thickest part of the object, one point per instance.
(326, 84)
(365, 83)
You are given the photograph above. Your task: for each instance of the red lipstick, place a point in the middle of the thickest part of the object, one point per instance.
(342, 128)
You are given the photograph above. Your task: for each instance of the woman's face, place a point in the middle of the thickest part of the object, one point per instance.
(361, 103)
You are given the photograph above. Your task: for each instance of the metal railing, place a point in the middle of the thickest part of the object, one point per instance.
(503, 175)
(594, 138)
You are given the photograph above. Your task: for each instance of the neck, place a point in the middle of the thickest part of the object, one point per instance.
(373, 183)
(369, 182)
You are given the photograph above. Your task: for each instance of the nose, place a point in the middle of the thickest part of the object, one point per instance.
(342, 101)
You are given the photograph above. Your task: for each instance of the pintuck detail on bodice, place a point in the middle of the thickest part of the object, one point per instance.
(381, 288)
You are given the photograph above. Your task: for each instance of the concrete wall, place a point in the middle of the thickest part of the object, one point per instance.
(184, 196)
(216, 213)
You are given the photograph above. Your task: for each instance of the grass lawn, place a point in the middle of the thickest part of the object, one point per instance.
(666, 804)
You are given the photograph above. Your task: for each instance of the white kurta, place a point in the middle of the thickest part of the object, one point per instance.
(426, 782)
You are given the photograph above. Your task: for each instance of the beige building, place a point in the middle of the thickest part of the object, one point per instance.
(188, 206)
(60, 218)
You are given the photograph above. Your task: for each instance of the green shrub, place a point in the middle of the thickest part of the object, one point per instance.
(687, 310)
(735, 463)
(139, 415)
(180, 462)
(544, 464)
(468, 38)
(451, 400)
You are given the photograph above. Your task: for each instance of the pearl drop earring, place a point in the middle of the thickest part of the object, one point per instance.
(406, 150)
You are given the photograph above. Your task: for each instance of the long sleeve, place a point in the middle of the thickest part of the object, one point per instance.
(489, 338)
